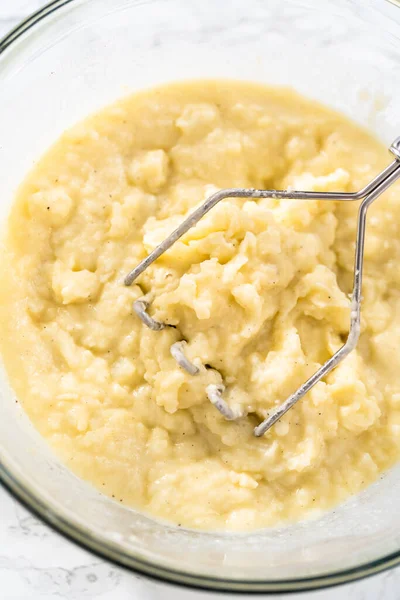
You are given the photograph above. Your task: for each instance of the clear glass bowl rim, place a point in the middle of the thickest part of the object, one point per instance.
(111, 551)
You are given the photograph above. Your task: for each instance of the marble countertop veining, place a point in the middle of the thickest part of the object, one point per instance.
(37, 563)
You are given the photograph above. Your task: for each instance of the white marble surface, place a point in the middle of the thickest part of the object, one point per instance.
(37, 563)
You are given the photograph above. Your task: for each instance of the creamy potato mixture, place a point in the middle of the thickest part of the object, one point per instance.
(259, 289)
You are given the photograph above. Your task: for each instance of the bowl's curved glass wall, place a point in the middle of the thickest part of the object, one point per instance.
(84, 54)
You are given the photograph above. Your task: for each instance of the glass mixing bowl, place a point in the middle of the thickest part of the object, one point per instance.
(73, 57)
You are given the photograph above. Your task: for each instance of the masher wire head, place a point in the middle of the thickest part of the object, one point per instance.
(368, 194)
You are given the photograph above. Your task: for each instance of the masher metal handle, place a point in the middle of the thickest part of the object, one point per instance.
(392, 174)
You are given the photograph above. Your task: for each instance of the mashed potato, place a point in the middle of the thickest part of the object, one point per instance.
(259, 289)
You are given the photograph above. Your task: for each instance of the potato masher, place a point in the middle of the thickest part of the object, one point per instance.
(368, 194)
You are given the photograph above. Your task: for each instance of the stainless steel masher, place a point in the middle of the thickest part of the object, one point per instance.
(368, 194)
